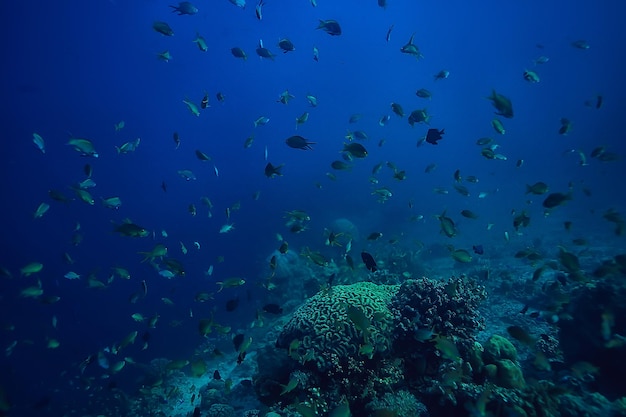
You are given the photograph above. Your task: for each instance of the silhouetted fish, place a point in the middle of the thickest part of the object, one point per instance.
(272, 308)
(231, 305)
(478, 249)
(369, 261)
(434, 135)
(237, 341)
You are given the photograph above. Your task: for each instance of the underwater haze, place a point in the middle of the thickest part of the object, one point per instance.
(183, 183)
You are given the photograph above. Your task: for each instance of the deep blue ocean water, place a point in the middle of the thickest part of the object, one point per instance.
(78, 68)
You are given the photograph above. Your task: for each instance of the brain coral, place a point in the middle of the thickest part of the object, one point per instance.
(326, 332)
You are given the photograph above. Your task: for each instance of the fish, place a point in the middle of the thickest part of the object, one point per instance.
(187, 174)
(261, 121)
(286, 45)
(202, 156)
(566, 126)
(128, 147)
(263, 52)
(537, 188)
(331, 27)
(83, 146)
(39, 142)
(259, 10)
(355, 149)
(531, 76)
(369, 262)
(556, 199)
(272, 171)
(419, 116)
(41, 210)
(232, 304)
(192, 107)
(411, 49)
(478, 249)
(184, 8)
(163, 28)
(581, 44)
(503, 104)
(272, 308)
(199, 40)
(442, 75)
(298, 142)
(205, 101)
(521, 335)
(388, 35)
(434, 135)
(424, 93)
(239, 53)
(164, 56)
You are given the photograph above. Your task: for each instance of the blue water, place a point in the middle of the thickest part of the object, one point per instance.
(80, 67)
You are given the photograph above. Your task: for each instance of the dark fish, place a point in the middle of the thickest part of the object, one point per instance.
(231, 305)
(216, 375)
(272, 171)
(273, 308)
(241, 357)
(88, 170)
(599, 101)
(434, 135)
(298, 142)
(163, 186)
(176, 139)
(331, 279)
(184, 7)
(202, 156)
(355, 149)
(205, 101)
(369, 261)
(534, 314)
(556, 199)
(196, 411)
(502, 104)
(286, 45)
(284, 247)
(478, 249)
(524, 309)
(349, 261)
(220, 96)
(237, 341)
(163, 28)
(330, 26)
(388, 36)
(521, 335)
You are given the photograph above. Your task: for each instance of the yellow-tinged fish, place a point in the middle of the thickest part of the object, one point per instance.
(53, 344)
(201, 43)
(291, 385)
(41, 210)
(192, 107)
(117, 366)
(85, 196)
(38, 141)
(34, 291)
(31, 268)
(83, 146)
(230, 283)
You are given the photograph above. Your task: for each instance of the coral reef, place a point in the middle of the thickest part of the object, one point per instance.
(335, 324)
